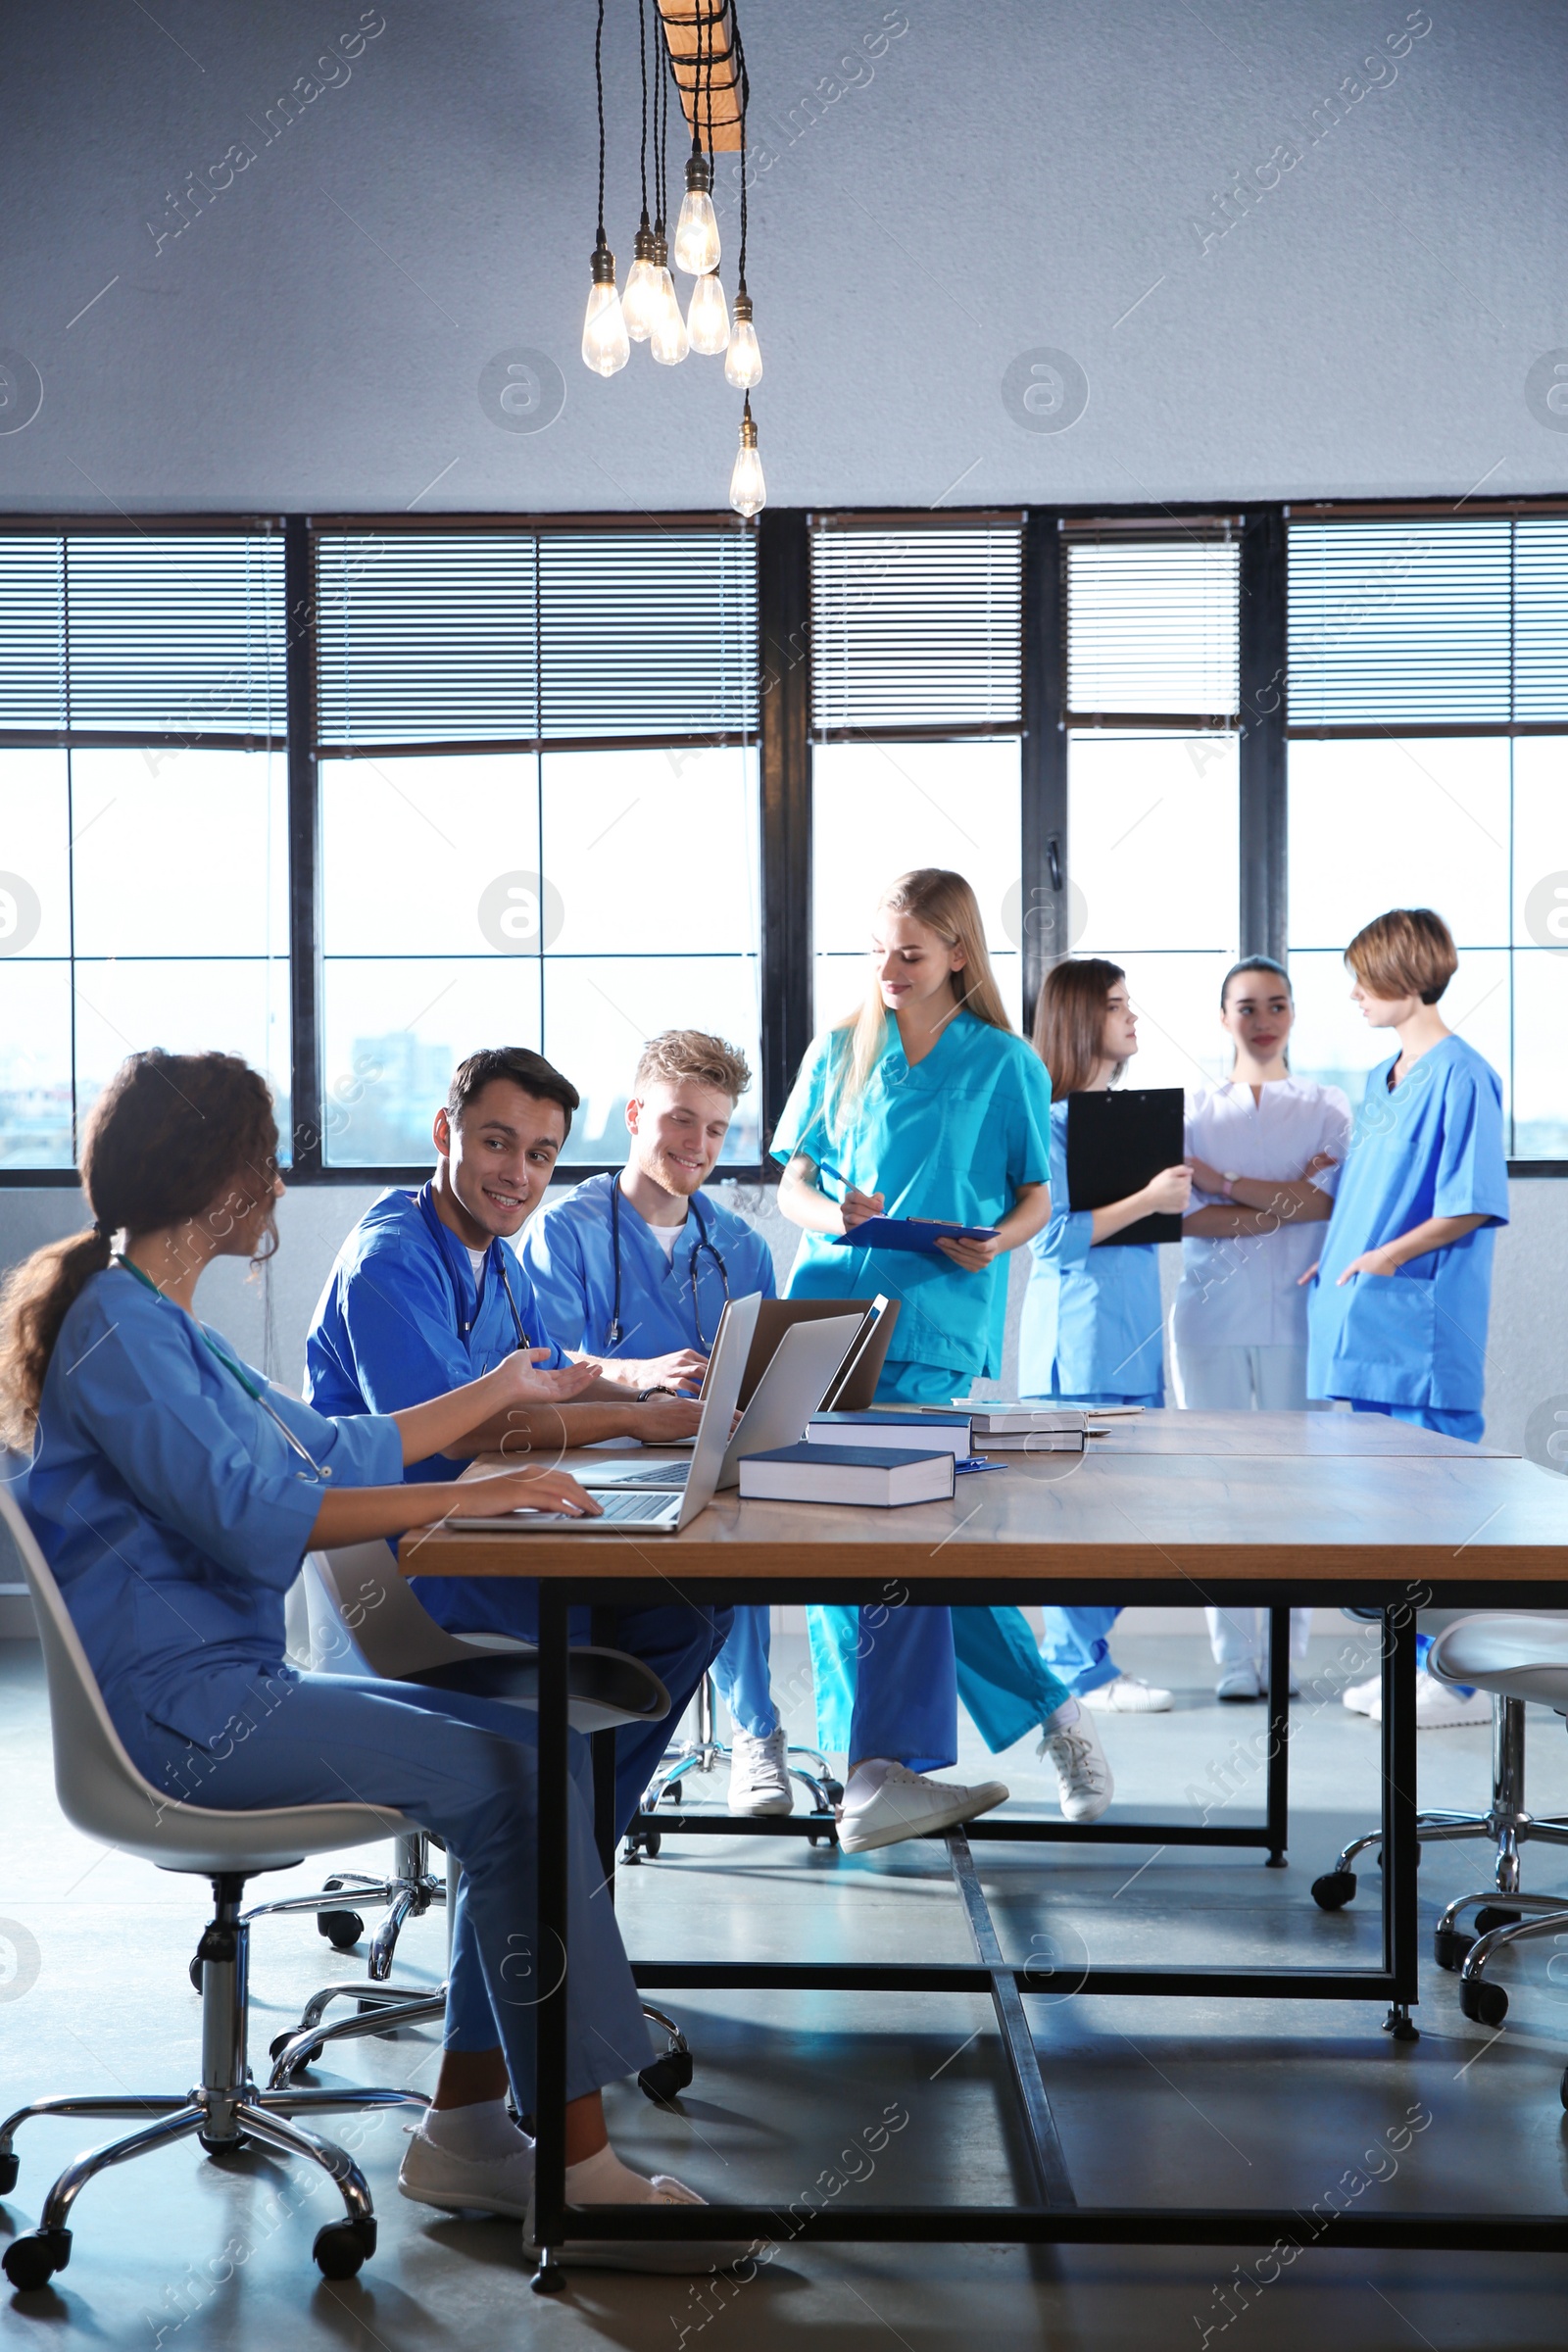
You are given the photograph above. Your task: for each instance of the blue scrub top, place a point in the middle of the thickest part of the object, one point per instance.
(401, 1320)
(955, 1138)
(666, 1304)
(1092, 1318)
(172, 1510)
(1432, 1147)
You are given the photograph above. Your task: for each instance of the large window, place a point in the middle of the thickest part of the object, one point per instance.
(917, 687)
(1428, 663)
(538, 817)
(143, 818)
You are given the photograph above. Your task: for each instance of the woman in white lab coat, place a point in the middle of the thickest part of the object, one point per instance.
(1264, 1148)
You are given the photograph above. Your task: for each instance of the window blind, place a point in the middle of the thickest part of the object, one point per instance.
(1152, 628)
(1400, 621)
(475, 637)
(172, 633)
(918, 629)
(1540, 618)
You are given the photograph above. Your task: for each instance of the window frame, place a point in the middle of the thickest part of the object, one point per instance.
(784, 742)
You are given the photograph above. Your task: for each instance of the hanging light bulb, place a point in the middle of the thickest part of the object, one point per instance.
(669, 341)
(748, 492)
(640, 300)
(697, 230)
(708, 319)
(744, 365)
(605, 347)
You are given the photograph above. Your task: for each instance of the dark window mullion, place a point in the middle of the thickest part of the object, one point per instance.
(1043, 756)
(1263, 814)
(304, 848)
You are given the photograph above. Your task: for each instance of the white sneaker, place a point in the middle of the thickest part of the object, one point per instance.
(433, 2175)
(1083, 1775)
(1239, 1682)
(902, 1803)
(1438, 1706)
(676, 2257)
(759, 1773)
(1365, 1698)
(1128, 1694)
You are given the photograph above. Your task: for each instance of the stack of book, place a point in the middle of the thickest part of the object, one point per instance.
(878, 1475)
(919, 1432)
(1004, 1428)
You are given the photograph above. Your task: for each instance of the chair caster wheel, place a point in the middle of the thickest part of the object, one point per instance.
(30, 2262)
(1494, 1914)
(549, 2279)
(828, 1838)
(342, 1929)
(275, 2049)
(672, 1794)
(835, 1791)
(666, 2077)
(1450, 1946)
(195, 1973)
(9, 2165)
(1334, 1890)
(1562, 2087)
(652, 1843)
(236, 2145)
(1482, 2002)
(342, 2247)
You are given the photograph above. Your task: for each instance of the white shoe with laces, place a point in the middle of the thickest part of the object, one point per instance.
(759, 1773)
(1440, 1706)
(1240, 1683)
(1083, 1775)
(433, 2175)
(884, 1803)
(1127, 1695)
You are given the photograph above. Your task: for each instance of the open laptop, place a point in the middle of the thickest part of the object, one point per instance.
(662, 1513)
(802, 1368)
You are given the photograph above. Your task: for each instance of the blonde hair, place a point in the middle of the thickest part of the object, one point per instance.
(1410, 951)
(1070, 1020)
(678, 1054)
(946, 905)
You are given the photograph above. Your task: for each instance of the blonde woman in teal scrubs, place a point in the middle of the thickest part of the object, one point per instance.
(927, 1104)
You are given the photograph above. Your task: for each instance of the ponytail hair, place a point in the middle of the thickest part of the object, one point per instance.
(945, 904)
(166, 1137)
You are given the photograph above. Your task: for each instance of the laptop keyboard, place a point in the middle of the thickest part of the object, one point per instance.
(618, 1505)
(668, 1475)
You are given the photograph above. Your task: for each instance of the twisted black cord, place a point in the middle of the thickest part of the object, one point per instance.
(598, 93)
(743, 84)
(661, 125)
(642, 60)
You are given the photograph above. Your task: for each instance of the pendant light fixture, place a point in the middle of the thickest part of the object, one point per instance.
(669, 342)
(643, 291)
(697, 230)
(605, 345)
(748, 492)
(708, 319)
(743, 364)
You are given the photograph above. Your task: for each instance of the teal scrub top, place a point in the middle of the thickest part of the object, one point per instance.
(1432, 1147)
(954, 1137)
(1093, 1324)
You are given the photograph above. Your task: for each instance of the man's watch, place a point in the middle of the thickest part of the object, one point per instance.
(643, 1394)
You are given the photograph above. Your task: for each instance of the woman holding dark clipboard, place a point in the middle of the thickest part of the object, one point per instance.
(1091, 1330)
(926, 1104)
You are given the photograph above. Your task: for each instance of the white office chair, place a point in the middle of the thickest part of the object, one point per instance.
(1518, 1658)
(102, 1793)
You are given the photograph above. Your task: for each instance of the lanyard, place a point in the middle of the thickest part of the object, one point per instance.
(612, 1336)
(256, 1395)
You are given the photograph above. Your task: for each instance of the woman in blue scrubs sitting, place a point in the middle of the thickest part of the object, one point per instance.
(927, 1104)
(1093, 1328)
(1396, 1313)
(174, 1492)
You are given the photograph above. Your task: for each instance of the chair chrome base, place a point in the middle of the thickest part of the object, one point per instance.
(413, 1889)
(705, 1751)
(225, 2111)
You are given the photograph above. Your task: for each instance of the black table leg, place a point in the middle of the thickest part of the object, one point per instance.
(602, 1629)
(1279, 1737)
(551, 1961)
(1401, 1849)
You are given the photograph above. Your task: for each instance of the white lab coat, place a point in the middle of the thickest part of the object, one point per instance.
(1245, 1293)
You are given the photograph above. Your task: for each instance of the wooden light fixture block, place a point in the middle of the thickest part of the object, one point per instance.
(701, 36)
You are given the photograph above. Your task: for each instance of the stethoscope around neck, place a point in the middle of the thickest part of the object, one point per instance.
(497, 1258)
(703, 1241)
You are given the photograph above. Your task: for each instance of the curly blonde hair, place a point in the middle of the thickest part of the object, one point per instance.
(678, 1054)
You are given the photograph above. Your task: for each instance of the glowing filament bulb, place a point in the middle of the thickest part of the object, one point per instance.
(743, 367)
(605, 345)
(697, 230)
(708, 319)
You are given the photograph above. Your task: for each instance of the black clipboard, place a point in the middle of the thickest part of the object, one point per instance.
(1116, 1140)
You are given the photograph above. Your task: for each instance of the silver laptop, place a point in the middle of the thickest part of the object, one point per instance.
(799, 1372)
(663, 1513)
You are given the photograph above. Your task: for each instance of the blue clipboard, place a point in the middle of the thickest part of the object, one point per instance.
(921, 1233)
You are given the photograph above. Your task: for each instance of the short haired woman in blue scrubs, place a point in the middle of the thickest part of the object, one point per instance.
(174, 1492)
(1397, 1317)
(927, 1104)
(1092, 1327)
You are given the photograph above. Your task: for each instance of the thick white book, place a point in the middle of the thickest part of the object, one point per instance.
(884, 1425)
(1030, 1440)
(878, 1475)
(994, 1416)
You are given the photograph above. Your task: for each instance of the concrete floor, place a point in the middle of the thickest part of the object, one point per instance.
(1203, 2102)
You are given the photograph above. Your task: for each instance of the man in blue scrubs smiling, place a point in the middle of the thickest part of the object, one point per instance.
(635, 1269)
(426, 1295)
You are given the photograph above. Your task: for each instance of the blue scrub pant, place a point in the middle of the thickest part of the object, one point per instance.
(1447, 1424)
(1077, 1641)
(885, 1675)
(466, 1770)
(740, 1671)
(679, 1640)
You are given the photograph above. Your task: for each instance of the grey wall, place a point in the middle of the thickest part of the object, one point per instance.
(978, 183)
(265, 1315)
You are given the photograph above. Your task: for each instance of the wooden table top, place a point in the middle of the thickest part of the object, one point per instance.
(1338, 1498)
